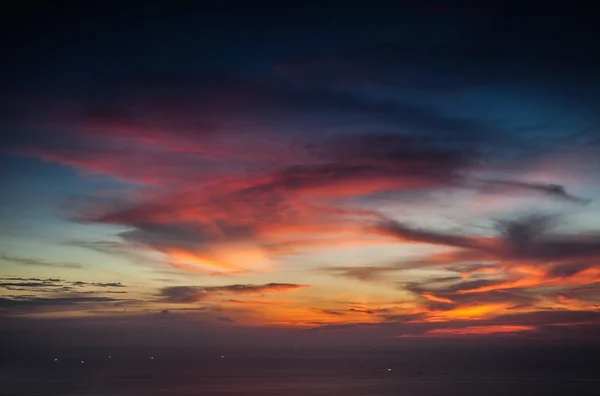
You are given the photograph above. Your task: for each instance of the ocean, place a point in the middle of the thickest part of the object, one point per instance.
(295, 371)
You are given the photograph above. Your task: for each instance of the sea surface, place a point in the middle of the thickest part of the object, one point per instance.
(304, 371)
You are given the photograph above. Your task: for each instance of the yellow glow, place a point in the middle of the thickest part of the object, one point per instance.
(466, 313)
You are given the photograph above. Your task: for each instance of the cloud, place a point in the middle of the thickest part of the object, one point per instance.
(36, 302)
(53, 282)
(410, 234)
(27, 284)
(49, 285)
(535, 319)
(328, 311)
(515, 273)
(183, 294)
(210, 223)
(552, 190)
(39, 263)
(529, 325)
(58, 292)
(434, 298)
(526, 238)
(363, 273)
(28, 305)
(187, 294)
(108, 284)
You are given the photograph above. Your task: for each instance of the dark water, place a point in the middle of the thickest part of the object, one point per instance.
(414, 371)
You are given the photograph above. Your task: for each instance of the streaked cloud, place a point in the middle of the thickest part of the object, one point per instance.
(188, 294)
(30, 262)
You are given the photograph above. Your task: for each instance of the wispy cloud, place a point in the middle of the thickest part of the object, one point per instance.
(30, 262)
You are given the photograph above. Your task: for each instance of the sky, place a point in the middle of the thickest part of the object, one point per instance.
(244, 173)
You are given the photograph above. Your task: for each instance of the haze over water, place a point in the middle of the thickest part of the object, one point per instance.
(487, 370)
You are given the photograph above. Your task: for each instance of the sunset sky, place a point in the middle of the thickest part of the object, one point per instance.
(430, 171)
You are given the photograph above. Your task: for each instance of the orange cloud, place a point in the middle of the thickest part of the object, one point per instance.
(535, 277)
(226, 259)
(482, 311)
(434, 298)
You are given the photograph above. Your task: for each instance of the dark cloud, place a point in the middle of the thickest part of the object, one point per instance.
(256, 289)
(16, 278)
(362, 310)
(517, 298)
(108, 284)
(181, 235)
(566, 270)
(528, 237)
(62, 293)
(25, 303)
(363, 273)
(183, 294)
(407, 233)
(39, 289)
(248, 302)
(398, 156)
(589, 292)
(404, 318)
(48, 284)
(542, 324)
(188, 294)
(537, 318)
(328, 311)
(52, 282)
(531, 237)
(552, 190)
(26, 284)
